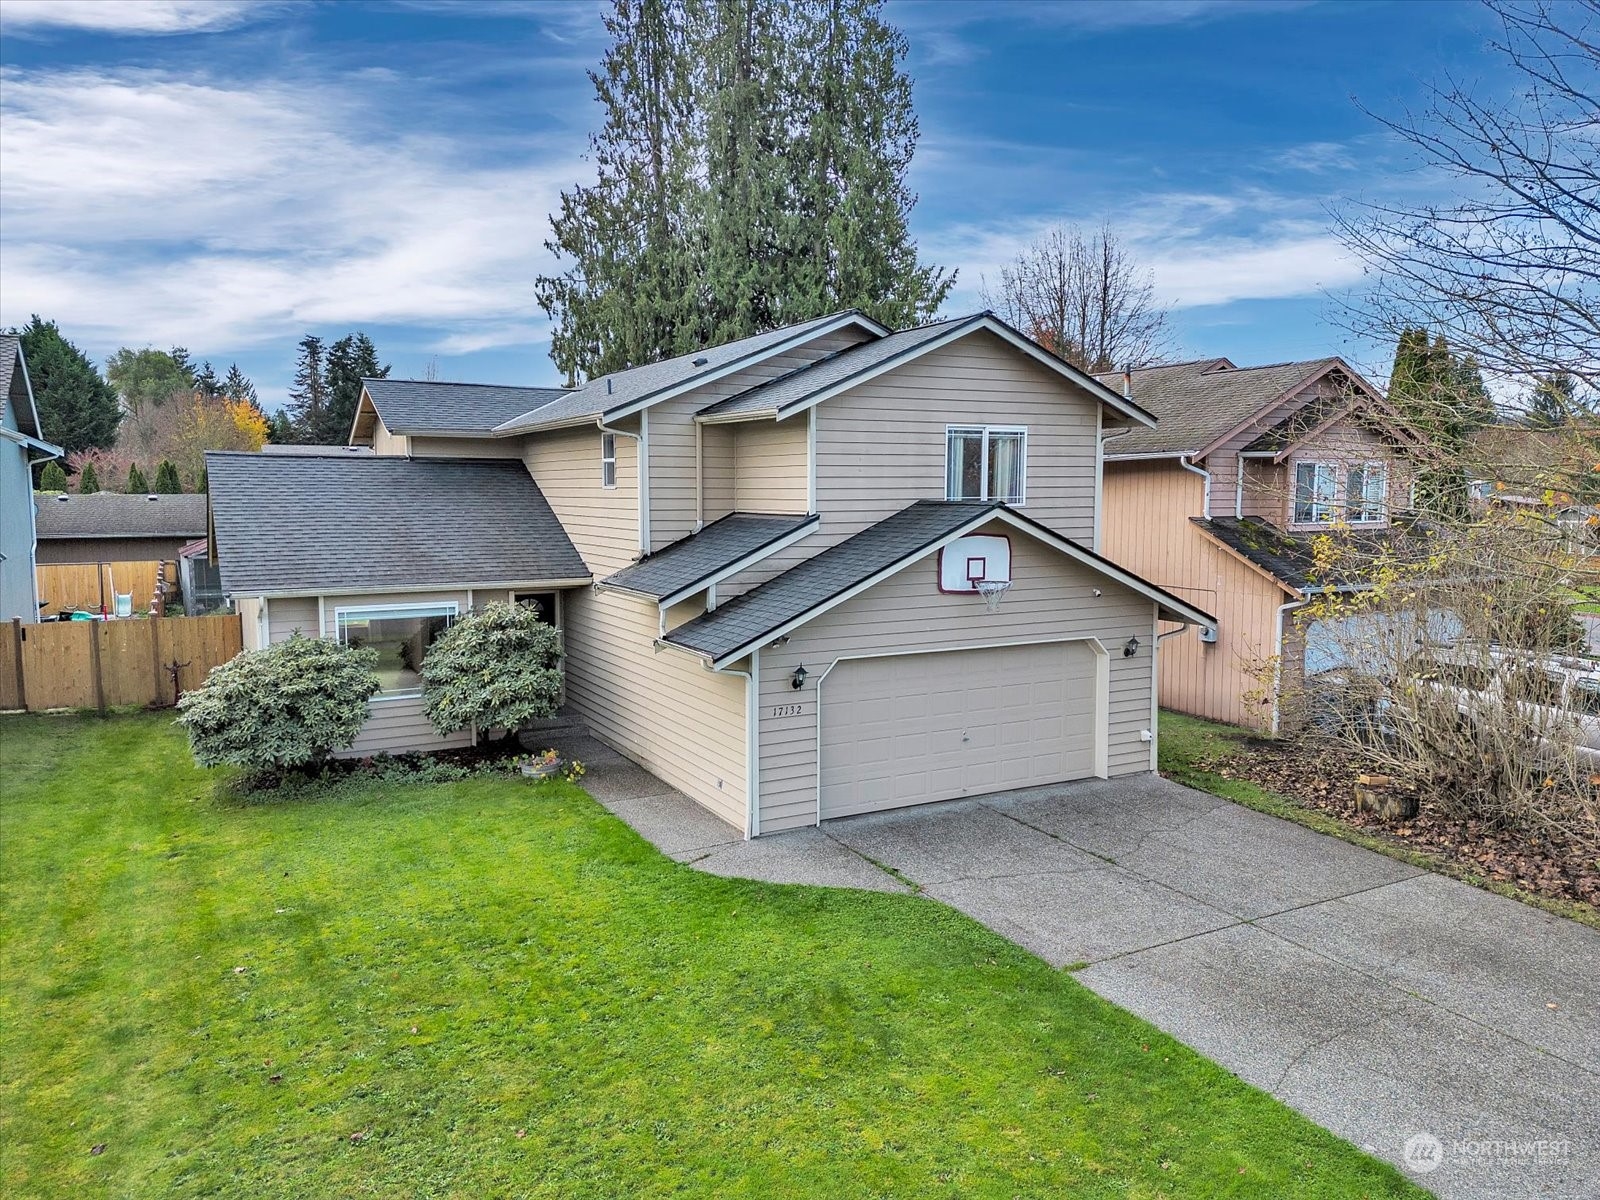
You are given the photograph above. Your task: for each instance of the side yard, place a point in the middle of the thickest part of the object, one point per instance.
(1285, 780)
(494, 987)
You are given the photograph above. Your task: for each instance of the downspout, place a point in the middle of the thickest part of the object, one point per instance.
(1238, 490)
(1277, 655)
(1205, 504)
(641, 473)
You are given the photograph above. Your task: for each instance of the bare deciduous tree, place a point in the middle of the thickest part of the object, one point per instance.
(1509, 269)
(1084, 297)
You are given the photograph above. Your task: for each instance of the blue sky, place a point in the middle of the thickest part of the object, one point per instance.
(230, 176)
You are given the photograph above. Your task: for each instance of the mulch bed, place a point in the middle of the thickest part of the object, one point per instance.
(1321, 781)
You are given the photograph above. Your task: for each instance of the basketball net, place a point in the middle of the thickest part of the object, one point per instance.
(992, 591)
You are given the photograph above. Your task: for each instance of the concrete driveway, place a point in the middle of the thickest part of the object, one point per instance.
(1390, 1006)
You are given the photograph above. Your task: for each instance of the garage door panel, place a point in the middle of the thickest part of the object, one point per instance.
(910, 729)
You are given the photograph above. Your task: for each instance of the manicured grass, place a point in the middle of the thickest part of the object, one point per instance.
(496, 988)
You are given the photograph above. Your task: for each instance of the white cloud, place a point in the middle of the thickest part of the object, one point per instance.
(1318, 157)
(1203, 249)
(140, 208)
(131, 16)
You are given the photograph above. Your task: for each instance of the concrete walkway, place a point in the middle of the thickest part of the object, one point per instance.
(1393, 1007)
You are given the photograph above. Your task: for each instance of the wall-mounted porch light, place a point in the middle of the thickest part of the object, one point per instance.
(798, 679)
(1131, 648)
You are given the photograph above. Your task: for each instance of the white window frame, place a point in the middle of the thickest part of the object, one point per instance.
(441, 608)
(1353, 504)
(608, 460)
(983, 470)
(1328, 507)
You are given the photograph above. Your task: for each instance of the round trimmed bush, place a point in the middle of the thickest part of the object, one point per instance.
(283, 707)
(498, 668)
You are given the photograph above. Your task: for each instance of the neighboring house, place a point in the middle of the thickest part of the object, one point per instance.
(21, 445)
(113, 527)
(1219, 503)
(766, 559)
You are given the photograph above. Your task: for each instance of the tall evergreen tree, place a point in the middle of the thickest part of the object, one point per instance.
(750, 173)
(350, 360)
(167, 481)
(206, 381)
(1554, 402)
(149, 378)
(52, 478)
(235, 386)
(280, 431)
(308, 397)
(1442, 397)
(78, 409)
(137, 484)
(88, 481)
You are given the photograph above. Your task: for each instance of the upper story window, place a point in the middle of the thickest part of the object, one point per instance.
(1366, 493)
(608, 460)
(1316, 488)
(401, 634)
(986, 462)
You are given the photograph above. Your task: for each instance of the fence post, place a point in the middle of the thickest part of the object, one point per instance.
(22, 678)
(94, 665)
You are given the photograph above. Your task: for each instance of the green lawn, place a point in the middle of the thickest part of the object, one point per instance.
(496, 988)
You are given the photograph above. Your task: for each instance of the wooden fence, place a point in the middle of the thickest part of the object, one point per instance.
(98, 664)
(64, 587)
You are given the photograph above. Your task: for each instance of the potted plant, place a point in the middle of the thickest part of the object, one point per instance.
(538, 766)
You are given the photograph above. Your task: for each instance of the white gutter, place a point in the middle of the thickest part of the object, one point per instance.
(641, 472)
(1277, 654)
(1238, 491)
(1205, 508)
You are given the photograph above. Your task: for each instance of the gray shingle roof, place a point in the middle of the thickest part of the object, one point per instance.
(115, 515)
(702, 555)
(752, 616)
(640, 383)
(422, 406)
(308, 524)
(1196, 403)
(27, 421)
(803, 382)
(1292, 558)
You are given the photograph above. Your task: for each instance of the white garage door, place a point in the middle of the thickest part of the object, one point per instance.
(914, 728)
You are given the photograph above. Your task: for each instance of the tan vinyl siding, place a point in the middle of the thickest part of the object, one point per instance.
(881, 446)
(384, 442)
(717, 470)
(1147, 529)
(1052, 598)
(288, 614)
(465, 447)
(672, 440)
(603, 523)
(771, 466)
(661, 708)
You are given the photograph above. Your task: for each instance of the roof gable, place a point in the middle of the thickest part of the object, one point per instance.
(623, 393)
(808, 386)
(424, 406)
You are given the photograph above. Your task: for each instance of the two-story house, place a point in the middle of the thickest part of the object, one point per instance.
(1220, 501)
(824, 570)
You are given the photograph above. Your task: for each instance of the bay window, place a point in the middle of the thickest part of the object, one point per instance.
(985, 462)
(401, 634)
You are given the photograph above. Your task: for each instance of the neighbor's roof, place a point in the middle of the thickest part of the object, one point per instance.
(787, 390)
(643, 383)
(700, 558)
(1292, 559)
(409, 406)
(115, 515)
(757, 613)
(1196, 403)
(309, 524)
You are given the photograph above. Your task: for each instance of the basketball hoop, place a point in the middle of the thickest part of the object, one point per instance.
(992, 591)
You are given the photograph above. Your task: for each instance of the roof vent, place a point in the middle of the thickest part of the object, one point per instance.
(152, 496)
(63, 498)
(700, 362)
